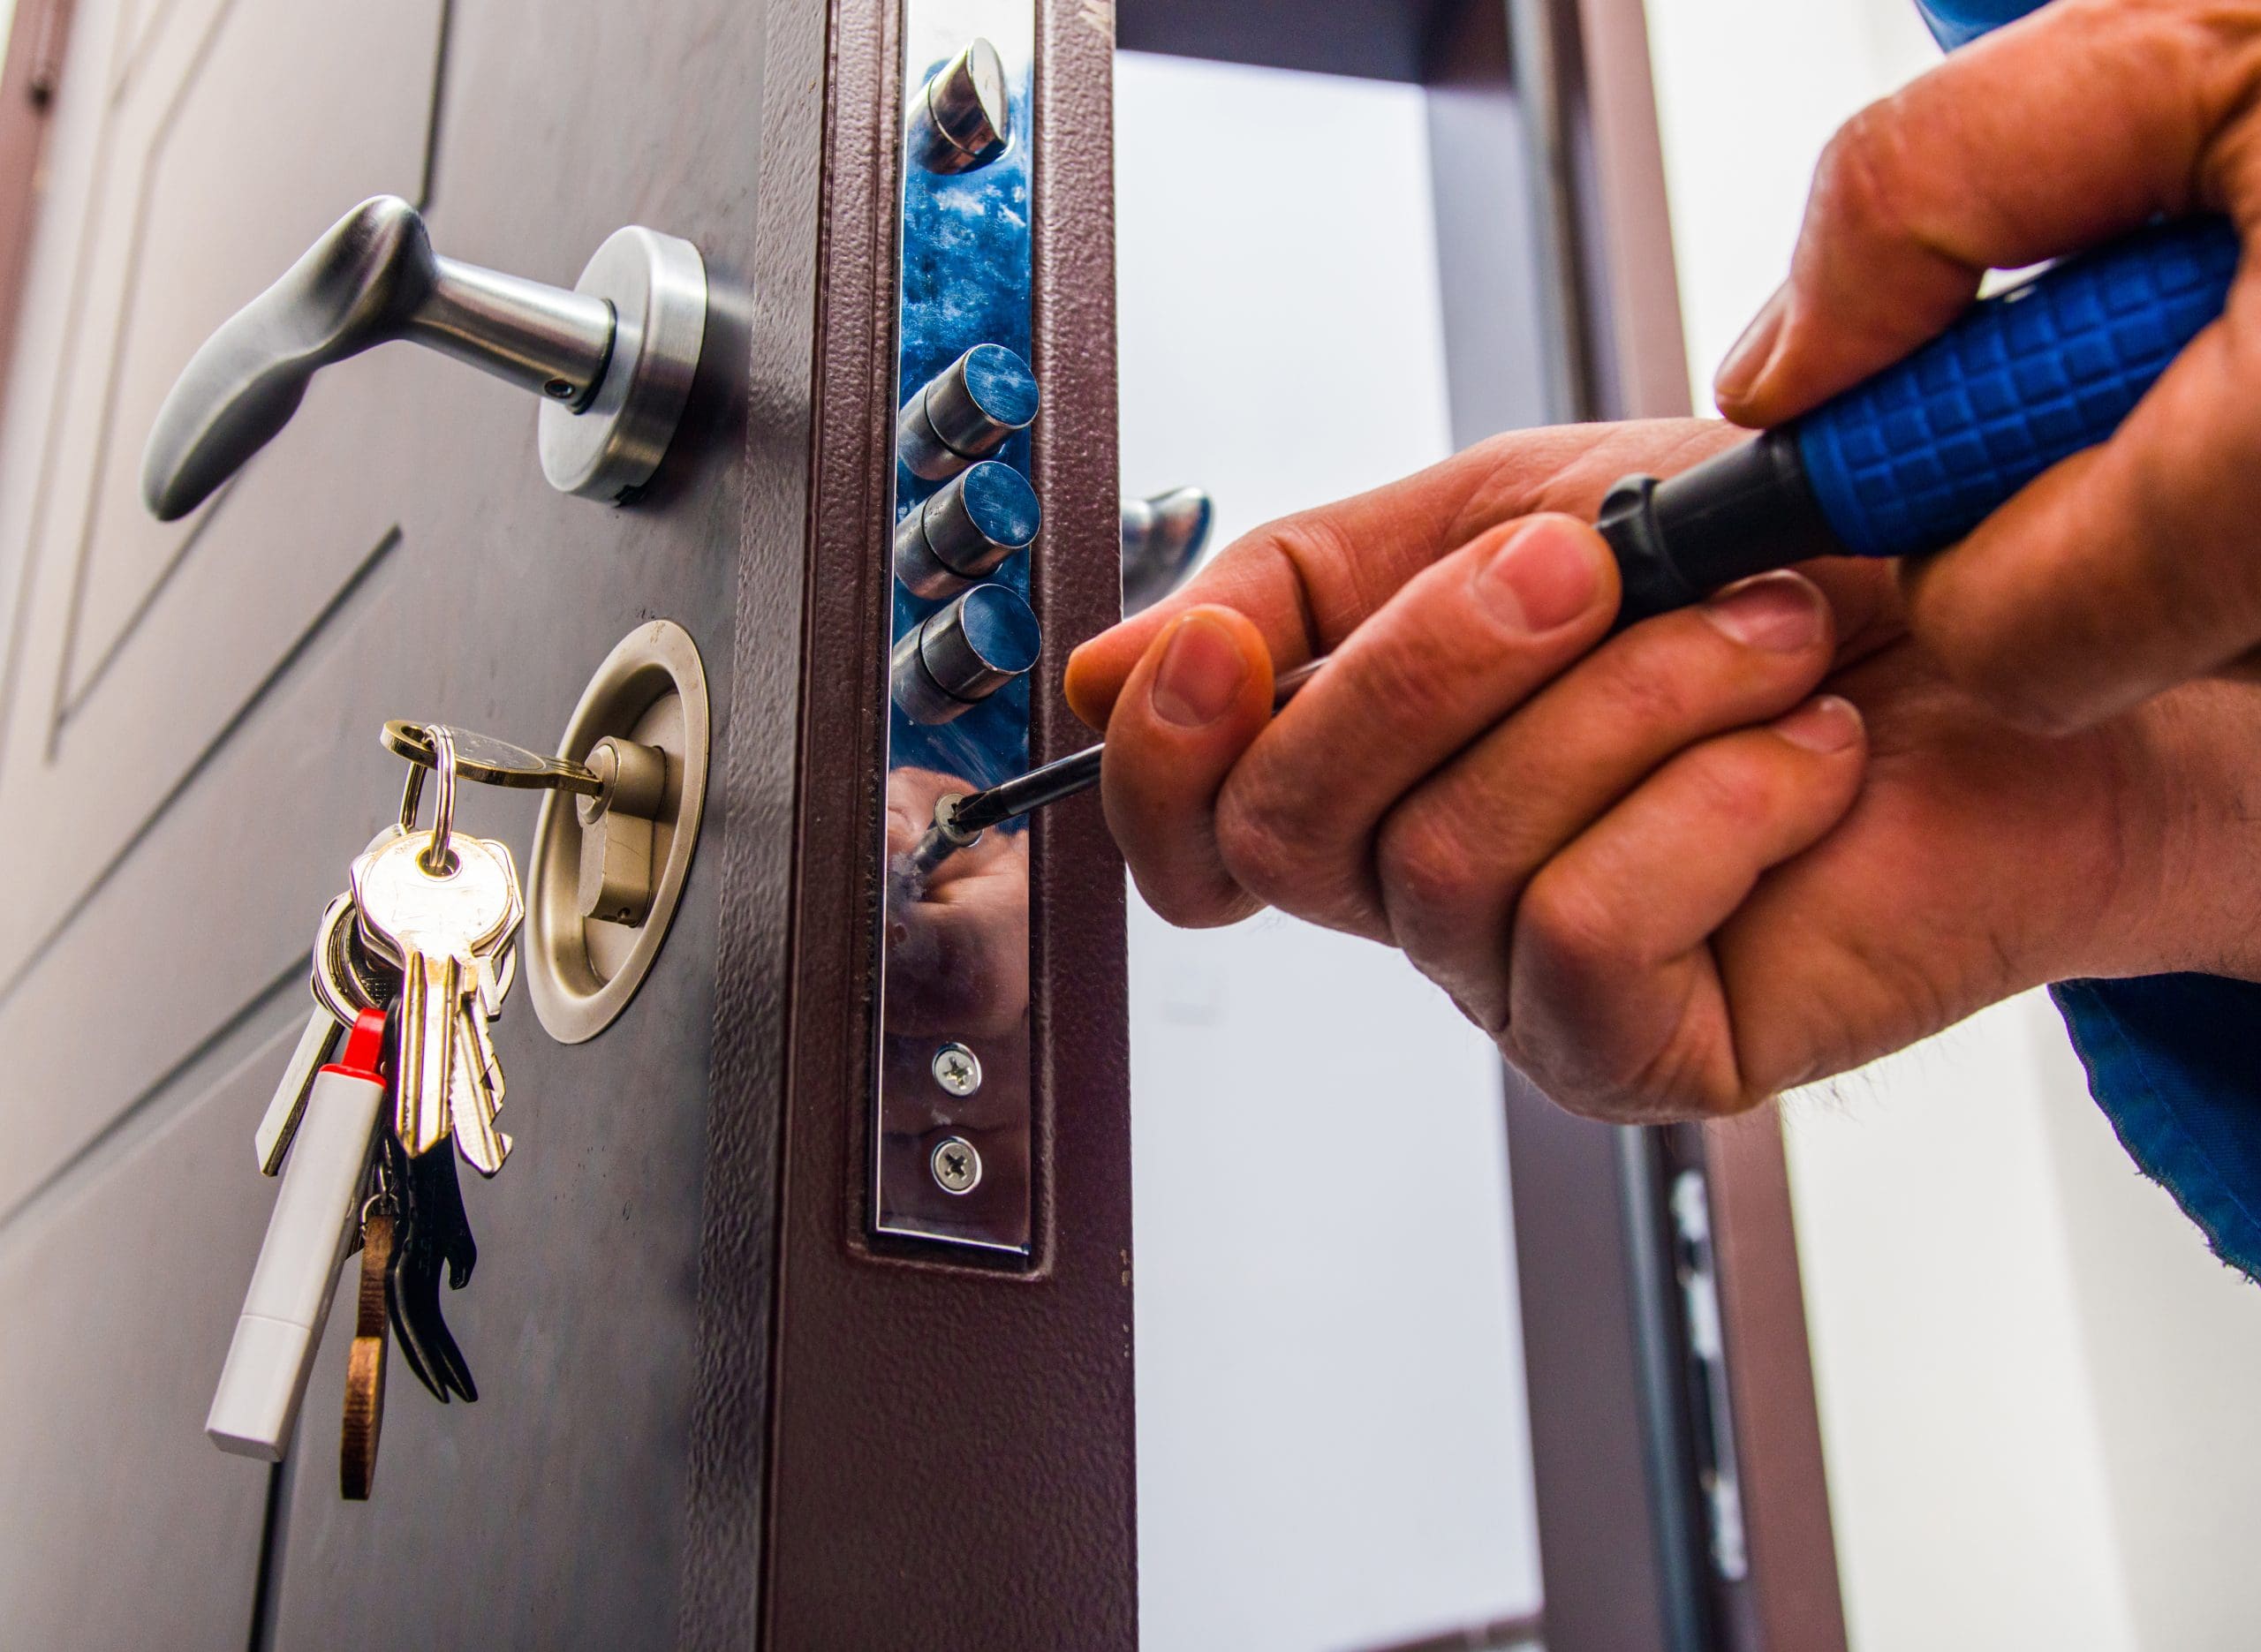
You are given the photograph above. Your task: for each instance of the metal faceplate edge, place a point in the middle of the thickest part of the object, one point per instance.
(956, 973)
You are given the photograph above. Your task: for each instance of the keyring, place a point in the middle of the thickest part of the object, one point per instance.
(438, 857)
(411, 796)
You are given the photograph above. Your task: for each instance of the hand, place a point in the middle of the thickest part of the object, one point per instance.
(1650, 867)
(2137, 565)
(958, 966)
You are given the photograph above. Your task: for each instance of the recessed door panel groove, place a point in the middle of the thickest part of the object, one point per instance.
(119, 1301)
(115, 348)
(124, 557)
(166, 899)
(276, 674)
(121, 1132)
(86, 239)
(189, 617)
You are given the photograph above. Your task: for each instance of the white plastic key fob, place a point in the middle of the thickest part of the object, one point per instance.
(307, 1236)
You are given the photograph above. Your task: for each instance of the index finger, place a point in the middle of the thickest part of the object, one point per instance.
(1307, 581)
(2085, 119)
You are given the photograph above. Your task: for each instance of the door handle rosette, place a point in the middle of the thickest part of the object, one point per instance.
(612, 360)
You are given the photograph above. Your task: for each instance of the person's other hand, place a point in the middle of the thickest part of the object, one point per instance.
(1648, 866)
(2137, 565)
(959, 959)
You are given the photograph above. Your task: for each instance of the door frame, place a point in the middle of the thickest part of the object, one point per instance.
(1604, 1332)
(1561, 146)
(38, 36)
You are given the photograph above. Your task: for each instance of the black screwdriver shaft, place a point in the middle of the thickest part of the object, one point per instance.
(1042, 787)
(1029, 792)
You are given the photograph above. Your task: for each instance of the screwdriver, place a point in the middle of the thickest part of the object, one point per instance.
(1905, 464)
(960, 818)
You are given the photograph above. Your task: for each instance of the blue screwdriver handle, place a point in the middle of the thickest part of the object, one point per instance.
(1911, 460)
(1915, 457)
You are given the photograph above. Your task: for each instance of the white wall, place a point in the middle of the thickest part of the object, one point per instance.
(2036, 1385)
(1958, 1414)
(1331, 1438)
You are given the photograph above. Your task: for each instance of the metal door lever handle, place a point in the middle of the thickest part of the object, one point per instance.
(620, 348)
(1163, 538)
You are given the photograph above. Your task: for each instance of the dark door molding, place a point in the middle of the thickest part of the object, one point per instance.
(28, 82)
(1589, 1300)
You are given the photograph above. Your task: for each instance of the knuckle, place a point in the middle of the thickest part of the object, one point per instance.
(1863, 185)
(1427, 866)
(1572, 923)
(1426, 686)
(2031, 658)
(1649, 687)
(1183, 906)
(2020, 696)
(1272, 846)
(1336, 587)
(2019, 678)
(1734, 787)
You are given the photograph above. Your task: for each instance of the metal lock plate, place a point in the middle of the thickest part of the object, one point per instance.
(951, 1086)
(585, 957)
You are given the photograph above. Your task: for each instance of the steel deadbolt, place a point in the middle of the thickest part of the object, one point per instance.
(612, 360)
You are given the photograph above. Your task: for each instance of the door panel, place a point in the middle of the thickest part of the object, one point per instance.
(395, 552)
(190, 760)
(121, 1294)
(123, 610)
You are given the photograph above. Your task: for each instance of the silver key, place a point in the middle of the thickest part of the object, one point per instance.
(272, 1140)
(474, 1095)
(343, 986)
(347, 978)
(438, 923)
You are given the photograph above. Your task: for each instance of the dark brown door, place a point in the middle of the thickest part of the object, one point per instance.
(711, 1410)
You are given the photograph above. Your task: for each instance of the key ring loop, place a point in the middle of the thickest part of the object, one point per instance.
(412, 798)
(439, 857)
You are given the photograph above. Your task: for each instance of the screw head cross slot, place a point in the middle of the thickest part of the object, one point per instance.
(955, 1164)
(958, 1070)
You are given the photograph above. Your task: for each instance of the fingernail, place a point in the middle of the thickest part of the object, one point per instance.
(1779, 612)
(1546, 575)
(1824, 725)
(1740, 371)
(1201, 673)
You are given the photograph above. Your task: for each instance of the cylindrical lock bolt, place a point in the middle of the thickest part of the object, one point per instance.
(962, 116)
(964, 654)
(960, 536)
(965, 412)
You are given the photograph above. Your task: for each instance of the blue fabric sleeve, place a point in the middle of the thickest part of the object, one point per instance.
(1957, 22)
(2173, 1059)
(2175, 1063)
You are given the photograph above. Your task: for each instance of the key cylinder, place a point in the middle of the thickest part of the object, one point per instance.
(607, 869)
(617, 829)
